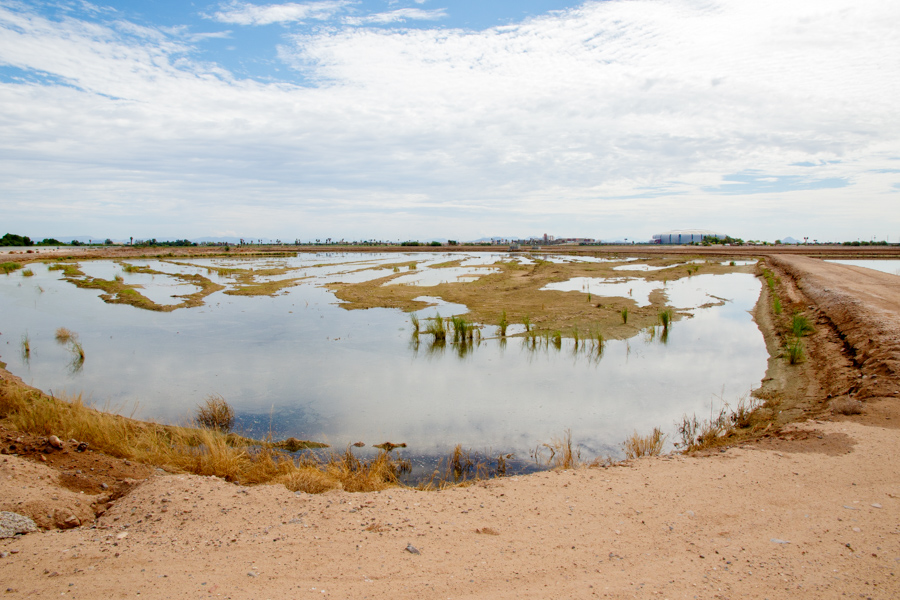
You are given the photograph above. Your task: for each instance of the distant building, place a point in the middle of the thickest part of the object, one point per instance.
(685, 236)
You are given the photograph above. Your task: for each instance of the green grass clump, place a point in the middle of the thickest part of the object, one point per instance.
(776, 305)
(26, 346)
(463, 331)
(800, 325)
(526, 321)
(414, 318)
(27, 273)
(437, 328)
(795, 351)
(624, 313)
(665, 317)
(503, 324)
(556, 339)
(597, 339)
(9, 267)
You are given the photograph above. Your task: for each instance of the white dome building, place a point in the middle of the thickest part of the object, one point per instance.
(685, 236)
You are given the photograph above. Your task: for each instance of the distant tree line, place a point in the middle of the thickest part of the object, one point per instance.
(11, 239)
(153, 242)
(709, 240)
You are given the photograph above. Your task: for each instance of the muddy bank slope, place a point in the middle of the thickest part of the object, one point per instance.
(863, 307)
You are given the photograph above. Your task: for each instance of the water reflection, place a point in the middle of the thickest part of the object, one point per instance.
(299, 365)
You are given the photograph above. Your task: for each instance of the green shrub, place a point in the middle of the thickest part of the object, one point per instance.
(9, 267)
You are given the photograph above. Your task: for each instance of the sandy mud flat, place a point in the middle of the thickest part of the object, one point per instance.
(809, 509)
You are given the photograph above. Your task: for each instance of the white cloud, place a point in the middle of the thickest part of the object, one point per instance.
(399, 16)
(242, 13)
(616, 118)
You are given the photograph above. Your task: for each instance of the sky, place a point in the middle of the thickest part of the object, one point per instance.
(421, 119)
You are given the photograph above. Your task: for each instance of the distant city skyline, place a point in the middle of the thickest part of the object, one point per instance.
(415, 119)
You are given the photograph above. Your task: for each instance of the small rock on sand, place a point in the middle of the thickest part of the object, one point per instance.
(12, 524)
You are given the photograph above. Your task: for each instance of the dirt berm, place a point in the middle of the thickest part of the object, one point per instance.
(810, 511)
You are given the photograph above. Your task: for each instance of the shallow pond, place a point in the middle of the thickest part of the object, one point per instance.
(885, 266)
(297, 364)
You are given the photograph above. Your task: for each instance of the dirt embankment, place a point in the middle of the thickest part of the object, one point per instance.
(810, 511)
(864, 307)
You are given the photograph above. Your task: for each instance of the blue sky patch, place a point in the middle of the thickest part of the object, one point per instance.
(753, 183)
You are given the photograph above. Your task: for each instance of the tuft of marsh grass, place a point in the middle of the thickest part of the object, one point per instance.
(776, 305)
(215, 413)
(795, 351)
(598, 342)
(749, 415)
(732, 263)
(56, 267)
(800, 325)
(562, 455)
(687, 430)
(414, 318)
(437, 328)
(624, 313)
(463, 331)
(9, 267)
(503, 323)
(526, 321)
(556, 339)
(77, 350)
(119, 279)
(27, 273)
(64, 336)
(636, 445)
(666, 317)
(26, 345)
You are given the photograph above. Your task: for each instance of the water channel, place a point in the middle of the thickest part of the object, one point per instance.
(297, 364)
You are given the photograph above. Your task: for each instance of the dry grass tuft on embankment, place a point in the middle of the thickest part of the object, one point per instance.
(202, 451)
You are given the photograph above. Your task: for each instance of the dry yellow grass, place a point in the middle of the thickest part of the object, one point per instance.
(562, 455)
(64, 336)
(215, 413)
(638, 445)
(191, 450)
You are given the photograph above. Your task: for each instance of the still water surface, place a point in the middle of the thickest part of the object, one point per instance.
(885, 266)
(298, 364)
